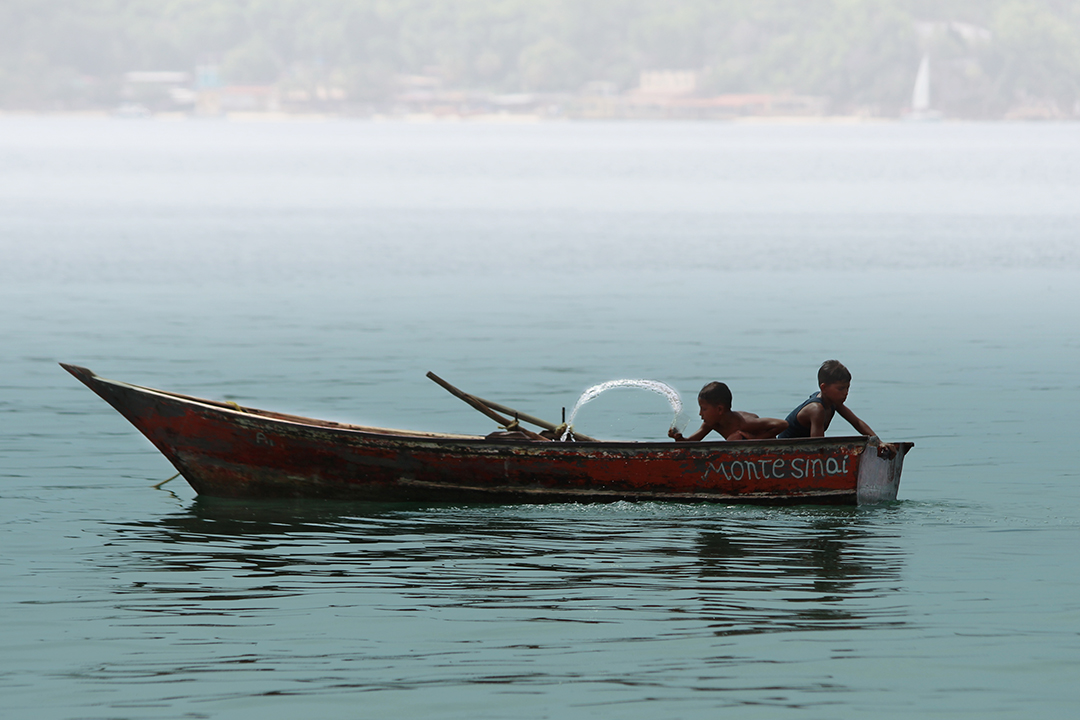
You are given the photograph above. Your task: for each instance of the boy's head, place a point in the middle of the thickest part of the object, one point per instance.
(832, 372)
(716, 393)
(834, 381)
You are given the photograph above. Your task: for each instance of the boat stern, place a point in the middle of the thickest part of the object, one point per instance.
(879, 471)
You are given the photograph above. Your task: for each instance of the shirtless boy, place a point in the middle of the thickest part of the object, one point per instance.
(812, 418)
(714, 403)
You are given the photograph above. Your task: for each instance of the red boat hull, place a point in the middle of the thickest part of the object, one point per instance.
(224, 450)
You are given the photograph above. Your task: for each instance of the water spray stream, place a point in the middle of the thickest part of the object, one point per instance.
(655, 386)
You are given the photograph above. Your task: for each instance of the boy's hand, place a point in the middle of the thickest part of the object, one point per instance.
(675, 435)
(887, 451)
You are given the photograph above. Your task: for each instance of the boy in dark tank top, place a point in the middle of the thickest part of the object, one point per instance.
(812, 417)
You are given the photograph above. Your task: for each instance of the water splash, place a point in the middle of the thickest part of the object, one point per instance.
(655, 386)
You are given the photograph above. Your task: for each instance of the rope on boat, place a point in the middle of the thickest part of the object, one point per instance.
(158, 486)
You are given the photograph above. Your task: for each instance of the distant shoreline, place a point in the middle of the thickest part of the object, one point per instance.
(507, 118)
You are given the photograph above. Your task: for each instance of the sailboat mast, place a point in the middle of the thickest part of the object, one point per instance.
(920, 97)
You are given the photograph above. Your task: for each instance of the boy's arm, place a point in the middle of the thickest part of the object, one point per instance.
(699, 435)
(813, 416)
(859, 425)
(771, 427)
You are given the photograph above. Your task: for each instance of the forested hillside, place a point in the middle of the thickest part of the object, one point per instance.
(858, 55)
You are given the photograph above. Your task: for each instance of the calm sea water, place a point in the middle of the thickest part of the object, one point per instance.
(323, 268)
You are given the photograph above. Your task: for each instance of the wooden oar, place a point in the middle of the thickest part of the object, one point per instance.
(534, 420)
(538, 422)
(480, 406)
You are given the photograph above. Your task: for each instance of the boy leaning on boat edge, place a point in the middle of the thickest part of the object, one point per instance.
(714, 408)
(809, 419)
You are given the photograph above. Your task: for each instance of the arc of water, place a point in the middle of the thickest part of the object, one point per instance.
(655, 386)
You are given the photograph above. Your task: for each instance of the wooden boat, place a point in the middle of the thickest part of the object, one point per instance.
(225, 450)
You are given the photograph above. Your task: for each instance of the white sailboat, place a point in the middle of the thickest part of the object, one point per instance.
(920, 96)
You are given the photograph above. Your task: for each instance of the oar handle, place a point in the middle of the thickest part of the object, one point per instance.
(477, 404)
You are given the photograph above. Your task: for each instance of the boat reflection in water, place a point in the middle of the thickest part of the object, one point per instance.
(817, 574)
(665, 565)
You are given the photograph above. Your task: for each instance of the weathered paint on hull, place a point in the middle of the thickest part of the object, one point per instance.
(227, 451)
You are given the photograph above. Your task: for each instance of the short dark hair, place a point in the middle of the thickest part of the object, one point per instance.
(716, 393)
(832, 371)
